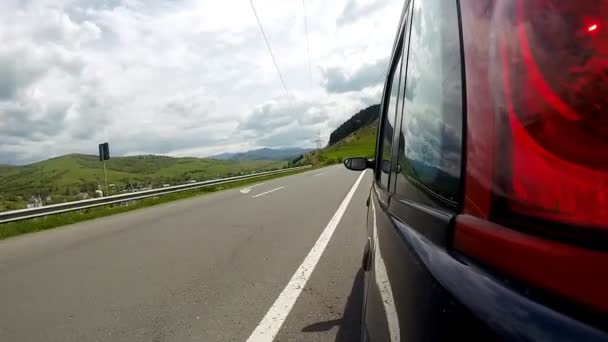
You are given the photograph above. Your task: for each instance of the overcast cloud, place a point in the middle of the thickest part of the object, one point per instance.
(368, 75)
(183, 77)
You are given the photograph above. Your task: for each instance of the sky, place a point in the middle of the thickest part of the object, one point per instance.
(185, 77)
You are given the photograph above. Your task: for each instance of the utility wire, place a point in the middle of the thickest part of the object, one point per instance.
(307, 41)
(269, 49)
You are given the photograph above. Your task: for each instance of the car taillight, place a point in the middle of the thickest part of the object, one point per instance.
(555, 133)
(537, 144)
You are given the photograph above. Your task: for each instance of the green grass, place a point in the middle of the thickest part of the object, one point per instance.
(65, 178)
(361, 143)
(53, 221)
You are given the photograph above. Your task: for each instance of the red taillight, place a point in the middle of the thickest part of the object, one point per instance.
(537, 145)
(568, 271)
(554, 138)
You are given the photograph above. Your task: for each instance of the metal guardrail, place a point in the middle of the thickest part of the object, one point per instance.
(23, 214)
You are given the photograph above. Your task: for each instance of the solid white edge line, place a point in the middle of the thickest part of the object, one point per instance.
(270, 325)
(267, 192)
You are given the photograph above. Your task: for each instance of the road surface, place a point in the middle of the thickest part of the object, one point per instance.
(208, 268)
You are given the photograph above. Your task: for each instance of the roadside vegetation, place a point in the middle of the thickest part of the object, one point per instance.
(356, 137)
(53, 221)
(361, 143)
(363, 118)
(77, 176)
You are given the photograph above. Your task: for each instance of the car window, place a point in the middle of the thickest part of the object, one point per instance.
(430, 140)
(401, 99)
(389, 120)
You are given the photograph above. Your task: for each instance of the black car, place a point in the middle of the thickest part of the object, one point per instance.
(488, 215)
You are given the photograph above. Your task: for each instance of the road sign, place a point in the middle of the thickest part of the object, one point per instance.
(104, 151)
(104, 154)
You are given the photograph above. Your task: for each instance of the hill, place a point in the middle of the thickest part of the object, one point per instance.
(264, 154)
(361, 143)
(77, 176)
(356, 137)
(363, 118)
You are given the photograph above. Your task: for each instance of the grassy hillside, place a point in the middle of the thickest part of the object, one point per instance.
(361, 143)
(363, 118)
(72, 176)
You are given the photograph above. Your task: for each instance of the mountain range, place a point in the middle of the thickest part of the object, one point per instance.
(264, 154)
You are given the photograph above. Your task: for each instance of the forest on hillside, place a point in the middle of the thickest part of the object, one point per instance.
(361, 119)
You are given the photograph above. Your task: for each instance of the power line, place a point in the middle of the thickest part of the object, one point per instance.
(307, 41)
(269, 49)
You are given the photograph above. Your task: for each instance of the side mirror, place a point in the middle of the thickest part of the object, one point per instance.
(385, 166)
(357, 163)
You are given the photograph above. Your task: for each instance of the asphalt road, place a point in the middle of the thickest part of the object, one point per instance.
(207, 268)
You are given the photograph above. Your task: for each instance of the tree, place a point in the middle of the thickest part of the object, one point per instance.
(362, 118)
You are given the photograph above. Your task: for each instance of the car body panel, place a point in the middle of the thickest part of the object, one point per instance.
(417, 287)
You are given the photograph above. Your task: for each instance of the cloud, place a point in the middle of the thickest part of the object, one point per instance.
(17, 73)
(433, 120)
(338, 81)
(356, 9)
(17, 121)
(181, 77)
(286, 122)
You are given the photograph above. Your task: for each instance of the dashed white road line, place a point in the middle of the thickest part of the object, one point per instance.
(270, 325)
(318, 174)
(248, 189)
(267, 192)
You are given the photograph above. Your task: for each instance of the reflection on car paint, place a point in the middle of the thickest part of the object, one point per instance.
(384, 285)
(506, 311)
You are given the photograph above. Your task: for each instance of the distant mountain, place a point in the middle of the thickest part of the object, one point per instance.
(264, 154)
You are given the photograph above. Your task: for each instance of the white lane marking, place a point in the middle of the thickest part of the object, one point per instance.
(267, 192)
(268, 328)
(318, 174)
(248, 189)
(384, 286)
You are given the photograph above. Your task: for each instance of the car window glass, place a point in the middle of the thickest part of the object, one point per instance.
(430, 140)
(389, 122)
(400, 101)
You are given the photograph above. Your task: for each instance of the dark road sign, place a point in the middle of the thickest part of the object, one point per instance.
(104, 151)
